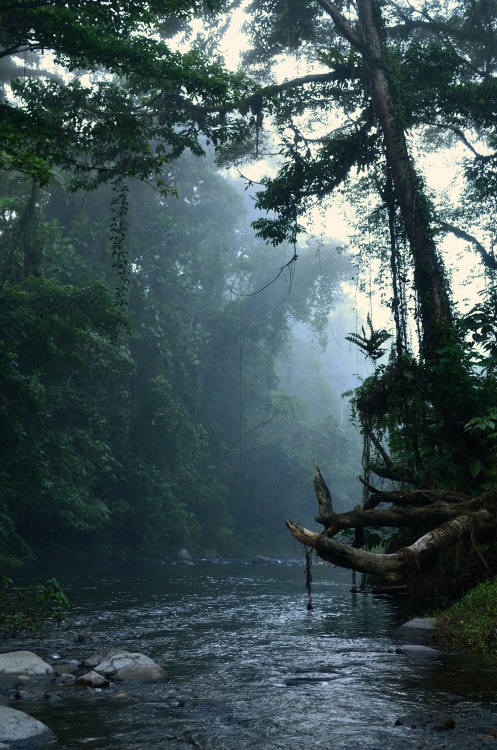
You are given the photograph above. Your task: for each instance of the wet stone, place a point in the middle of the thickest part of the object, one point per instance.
(92, 679)
(99, 656)
(23, 662)
(17, 727)
(436, 721)
(70, 666)
(419, 630)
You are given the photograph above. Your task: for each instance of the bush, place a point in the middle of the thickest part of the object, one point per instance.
(30, 609)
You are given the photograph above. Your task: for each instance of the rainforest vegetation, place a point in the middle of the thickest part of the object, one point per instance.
(141, 408)
(142, 337)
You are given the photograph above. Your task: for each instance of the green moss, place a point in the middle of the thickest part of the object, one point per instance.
(471, 623)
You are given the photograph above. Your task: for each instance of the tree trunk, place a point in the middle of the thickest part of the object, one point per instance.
(429, 277)
(444, 367)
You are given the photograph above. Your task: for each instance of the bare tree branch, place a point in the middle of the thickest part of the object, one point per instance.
(489, 261)
(343, 25)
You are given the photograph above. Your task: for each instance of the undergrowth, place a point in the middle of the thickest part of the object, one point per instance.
(471, 623)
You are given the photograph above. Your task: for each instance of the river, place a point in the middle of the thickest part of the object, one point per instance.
(250, 667)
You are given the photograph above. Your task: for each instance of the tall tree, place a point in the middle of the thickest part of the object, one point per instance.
(376, 78)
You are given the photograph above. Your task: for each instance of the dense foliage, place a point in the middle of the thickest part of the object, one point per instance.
(383, 89)
(109, 97)
(30, 609)
(381, 92)
(178, 429)
(140, 404)
(163, 425)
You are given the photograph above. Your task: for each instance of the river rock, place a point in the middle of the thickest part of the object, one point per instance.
(69, 666)
(435, 720)
(16, 726)
(92, 679)
(99, 656)
(23, 662)
(417, 630)
(131, 666)
(142, 673)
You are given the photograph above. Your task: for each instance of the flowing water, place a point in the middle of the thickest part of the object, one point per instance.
(251, 668)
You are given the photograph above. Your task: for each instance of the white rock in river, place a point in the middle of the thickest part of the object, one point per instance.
(102, 655)
(131, 666)
(16, 726)
(23, 662)
(92, 679)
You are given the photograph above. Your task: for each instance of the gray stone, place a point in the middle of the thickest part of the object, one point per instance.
(417, 630)
(65, 679)
(100, 656)
(70, 666)
(184, 554)
(420, 623)
(92, 679)
(16, 726)
(115, 663)
(142, 673)
(435, 720)
(23, 662)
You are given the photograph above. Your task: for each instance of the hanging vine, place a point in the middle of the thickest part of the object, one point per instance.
(308, 577)
(392, 403)
(118, 232)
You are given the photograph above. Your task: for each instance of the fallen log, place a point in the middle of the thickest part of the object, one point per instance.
(444, 520)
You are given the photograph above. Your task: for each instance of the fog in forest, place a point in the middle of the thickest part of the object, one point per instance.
(237, 241)
(192, 414)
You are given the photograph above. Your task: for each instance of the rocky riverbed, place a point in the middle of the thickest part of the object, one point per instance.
(26, 678)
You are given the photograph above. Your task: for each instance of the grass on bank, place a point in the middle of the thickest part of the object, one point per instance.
(471, 623)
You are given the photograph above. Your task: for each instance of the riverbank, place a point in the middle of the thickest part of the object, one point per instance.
(471, 623)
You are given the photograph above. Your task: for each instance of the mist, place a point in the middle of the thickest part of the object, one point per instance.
(185, 404)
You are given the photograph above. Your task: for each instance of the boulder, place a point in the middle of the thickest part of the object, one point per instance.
(92, 679)
(115, 662)
(142, 673)
(417, 630)
(16, 726)
(435, 720)
(419, 623)
(23, 662)
(184, 555)
(69, 666)
(131, 666)
(99, 656)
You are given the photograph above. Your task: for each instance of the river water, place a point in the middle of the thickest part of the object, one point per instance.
(250, 667)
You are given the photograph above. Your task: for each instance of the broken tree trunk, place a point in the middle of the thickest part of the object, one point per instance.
(442, 519)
